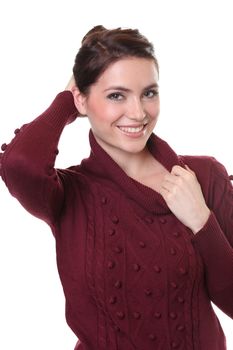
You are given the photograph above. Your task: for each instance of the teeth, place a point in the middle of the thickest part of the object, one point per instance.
(131, 129)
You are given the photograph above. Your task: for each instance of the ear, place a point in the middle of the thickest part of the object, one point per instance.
(79, 100)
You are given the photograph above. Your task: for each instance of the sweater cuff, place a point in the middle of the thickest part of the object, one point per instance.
(211, 235)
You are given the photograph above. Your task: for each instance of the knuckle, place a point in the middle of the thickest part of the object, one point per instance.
(172, 194)
(180, 181)
(187, 176)
(175, 167)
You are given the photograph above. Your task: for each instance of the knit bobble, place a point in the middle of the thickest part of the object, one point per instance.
(4, 147)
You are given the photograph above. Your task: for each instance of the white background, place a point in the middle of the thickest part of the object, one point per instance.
(39, 40)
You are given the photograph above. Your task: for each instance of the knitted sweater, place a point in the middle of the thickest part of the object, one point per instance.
(134, 277)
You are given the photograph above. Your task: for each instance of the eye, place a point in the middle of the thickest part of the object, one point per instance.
(151, 93)
(117, 96)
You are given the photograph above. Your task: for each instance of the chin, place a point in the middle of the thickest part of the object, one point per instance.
(134, 150)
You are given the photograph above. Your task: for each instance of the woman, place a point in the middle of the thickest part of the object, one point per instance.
(144, 236)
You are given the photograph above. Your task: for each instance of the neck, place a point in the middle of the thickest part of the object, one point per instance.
(133, 164)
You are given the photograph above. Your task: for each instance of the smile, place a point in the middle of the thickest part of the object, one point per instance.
(131, 129)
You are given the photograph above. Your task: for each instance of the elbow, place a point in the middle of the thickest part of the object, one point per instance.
(224, 300)
(16, 169)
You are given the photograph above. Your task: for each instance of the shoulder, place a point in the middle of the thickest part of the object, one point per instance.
(198, 161)
(202, 167)
(212, 176)
(206, 165)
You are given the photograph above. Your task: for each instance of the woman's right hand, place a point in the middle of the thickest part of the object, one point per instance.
(71, 84)
(72, 87)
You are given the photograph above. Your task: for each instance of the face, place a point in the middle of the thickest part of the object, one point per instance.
(123, 106)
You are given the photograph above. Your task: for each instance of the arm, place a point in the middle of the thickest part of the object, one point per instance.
(27, 164)
(215, 240)
(211, 221)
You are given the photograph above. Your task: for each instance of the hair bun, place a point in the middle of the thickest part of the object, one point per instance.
(94, 30)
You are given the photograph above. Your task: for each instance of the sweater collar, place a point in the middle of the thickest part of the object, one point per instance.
(104, 168)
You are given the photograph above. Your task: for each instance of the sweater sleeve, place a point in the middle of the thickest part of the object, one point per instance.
(215, 240)
(27, 164)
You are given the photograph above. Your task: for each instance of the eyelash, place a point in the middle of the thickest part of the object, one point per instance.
(155, 92)
(115, 95)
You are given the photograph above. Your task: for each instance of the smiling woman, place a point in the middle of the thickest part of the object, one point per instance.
(143, 236)
(122, 111)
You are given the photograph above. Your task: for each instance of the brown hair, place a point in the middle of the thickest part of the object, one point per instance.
(102, 47)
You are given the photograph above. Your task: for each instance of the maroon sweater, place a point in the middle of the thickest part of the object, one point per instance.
(134, 277)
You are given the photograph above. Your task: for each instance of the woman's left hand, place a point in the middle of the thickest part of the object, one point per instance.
(183, 195)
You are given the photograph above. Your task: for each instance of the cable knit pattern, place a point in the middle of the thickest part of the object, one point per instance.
(134, 277)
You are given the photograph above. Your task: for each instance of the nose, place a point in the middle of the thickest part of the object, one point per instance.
(136, 110)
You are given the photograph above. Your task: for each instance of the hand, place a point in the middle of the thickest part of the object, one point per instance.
(72, 87)
(183, 195)
(71, 84)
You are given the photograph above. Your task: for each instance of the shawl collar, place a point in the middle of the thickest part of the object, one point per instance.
(104, 169)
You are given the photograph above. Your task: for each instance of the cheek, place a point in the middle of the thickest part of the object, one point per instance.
(153, 111)
(104, 114)
(157, 112)
(157, 109)
(152, 106)
(95, 113)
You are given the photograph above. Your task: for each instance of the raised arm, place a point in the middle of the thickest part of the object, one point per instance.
(27, 162)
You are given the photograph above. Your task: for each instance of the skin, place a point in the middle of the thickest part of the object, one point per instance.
(117, 100)
(126, 97)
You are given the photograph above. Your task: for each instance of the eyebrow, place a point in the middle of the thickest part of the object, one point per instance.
(121, 88)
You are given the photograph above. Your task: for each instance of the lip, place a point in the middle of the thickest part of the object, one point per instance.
(132, 125)
(132, 134)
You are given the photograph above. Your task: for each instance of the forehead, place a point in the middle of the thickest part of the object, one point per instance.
(128, 71)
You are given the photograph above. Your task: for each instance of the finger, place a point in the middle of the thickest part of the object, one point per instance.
(184, 173)
(173, 179)
(163, 192)
(173, 185)
(190, 170)
(168, 193)
(178, 170)
(167, 185)
(82, 115)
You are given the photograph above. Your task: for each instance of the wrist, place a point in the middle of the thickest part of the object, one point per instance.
(201, 222)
